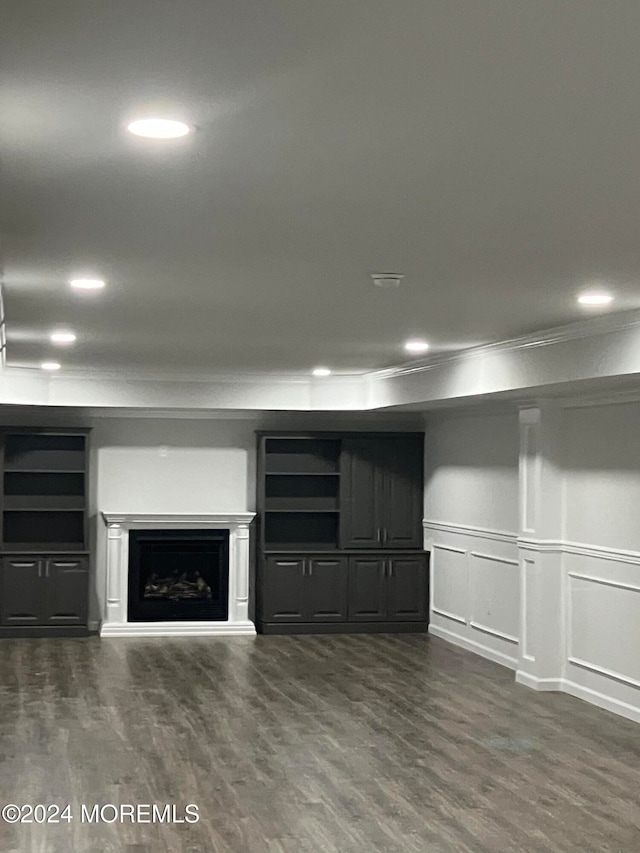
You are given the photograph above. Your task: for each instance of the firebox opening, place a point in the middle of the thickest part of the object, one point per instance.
(178, 575)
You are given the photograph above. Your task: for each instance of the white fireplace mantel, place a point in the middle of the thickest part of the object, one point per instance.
(115, 603)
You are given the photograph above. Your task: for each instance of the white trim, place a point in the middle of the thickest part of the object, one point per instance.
(564, 546)
(470, 530)
(524, 600)
(528, 543)
(616, 706)
(500, 634)
(601, 552)
(181, 519)
(438, 546)
(177, 629)
(593, 327)
(439, 612)
(601, 670)
(473, 646)
(494, 559)
(594, 697)
(540, 684)
(605, 581)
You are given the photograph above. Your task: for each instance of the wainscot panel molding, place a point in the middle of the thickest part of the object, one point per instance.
(599, 636)
(469, 530)
(475, 588)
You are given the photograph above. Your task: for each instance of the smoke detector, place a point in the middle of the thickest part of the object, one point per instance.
(386, 280)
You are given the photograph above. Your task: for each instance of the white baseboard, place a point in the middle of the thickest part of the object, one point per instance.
(560, 685)
(473, 646)
(177, 629)
(616, 706)
(541, 684)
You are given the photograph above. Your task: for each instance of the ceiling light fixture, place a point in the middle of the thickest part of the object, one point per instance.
(87, 283)
(416, 346)
(387, 280)
(50, 365)
(321, 371)
(62, 337)
(158, 128)
(595, 298)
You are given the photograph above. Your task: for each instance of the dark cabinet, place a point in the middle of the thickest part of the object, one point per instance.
(284, 579)
(67, 593)
(326, 589)
(381, 492)
(390, 589)
(339, 545)
(21, 593)
(305, 589)
(44, 591)
(367, 588)
(407, 587)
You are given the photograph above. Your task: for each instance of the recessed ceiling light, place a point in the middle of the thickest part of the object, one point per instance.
(62, 337)
(595, 297)
(87, 283)
(387, 280)
(321, 371)
(50, 365)
(158, 128)
(416, 346)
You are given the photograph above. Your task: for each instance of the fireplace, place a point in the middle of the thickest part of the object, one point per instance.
(178, 575)
(175, 574)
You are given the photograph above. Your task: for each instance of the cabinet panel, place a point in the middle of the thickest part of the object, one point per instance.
(67, 591)
(367, 589)
(407, 588)
(283, 585)
(326, 589)
(21, 593)
(403, 494)
(361, 494)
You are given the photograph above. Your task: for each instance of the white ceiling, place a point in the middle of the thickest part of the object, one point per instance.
(490, 151)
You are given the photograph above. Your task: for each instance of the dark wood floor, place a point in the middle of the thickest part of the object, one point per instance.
(331, 744)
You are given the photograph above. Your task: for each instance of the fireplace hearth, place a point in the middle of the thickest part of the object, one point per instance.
(178, 575)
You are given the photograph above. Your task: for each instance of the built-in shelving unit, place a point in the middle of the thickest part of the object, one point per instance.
(301, 493)
(44, 486)
(326, 503)
(43, 531)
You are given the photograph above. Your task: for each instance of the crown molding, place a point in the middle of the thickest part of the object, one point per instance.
(590, 328)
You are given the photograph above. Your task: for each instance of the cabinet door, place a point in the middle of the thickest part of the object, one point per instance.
(326, 589)
(284, 589)
(66, 591)
(401, 461)
(22, 592)
(407, 588)
(361, 493)
(367, 589)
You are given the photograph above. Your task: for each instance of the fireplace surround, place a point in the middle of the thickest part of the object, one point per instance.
(126, 529)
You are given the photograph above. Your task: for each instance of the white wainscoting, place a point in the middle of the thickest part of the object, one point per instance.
(476, 603)
(475, 589)
(602, 592)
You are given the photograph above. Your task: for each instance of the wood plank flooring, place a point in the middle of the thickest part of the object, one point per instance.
(326, 744)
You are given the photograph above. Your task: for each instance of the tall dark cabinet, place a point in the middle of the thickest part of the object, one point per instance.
(340, 533)
(44, 570)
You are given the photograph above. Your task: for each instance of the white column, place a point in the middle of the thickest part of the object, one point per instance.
(541, 658)
(239, 600)
(115, 605)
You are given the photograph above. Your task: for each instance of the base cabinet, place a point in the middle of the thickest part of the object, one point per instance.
(367, 592)
(44, 592)
(305, 589)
